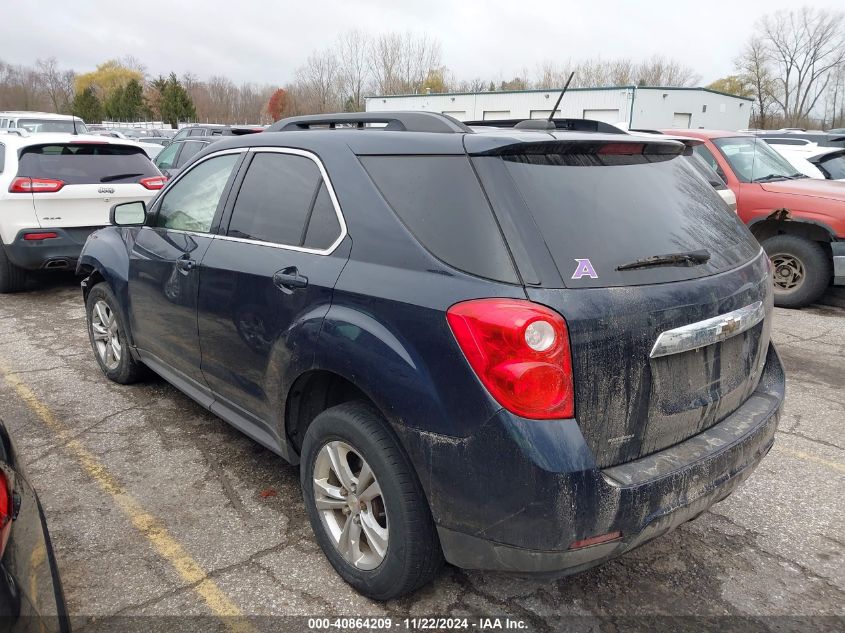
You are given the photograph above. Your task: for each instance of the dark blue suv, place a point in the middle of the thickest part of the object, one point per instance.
(523, 350)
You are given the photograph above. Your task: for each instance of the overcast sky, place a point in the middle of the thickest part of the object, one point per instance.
(264, 42)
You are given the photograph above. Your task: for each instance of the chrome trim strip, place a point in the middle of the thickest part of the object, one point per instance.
(709, 331)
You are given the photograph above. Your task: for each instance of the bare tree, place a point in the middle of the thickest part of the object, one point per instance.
(317, 82)
(804, 48)
(354, 75)
(401, 63)
(753, 67)
(661, 71)
(58, 84)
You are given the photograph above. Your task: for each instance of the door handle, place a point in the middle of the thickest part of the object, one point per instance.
(289, 279)
(185, 265)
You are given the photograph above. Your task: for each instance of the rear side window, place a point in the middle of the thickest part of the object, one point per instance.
(2, 157)
(599, 212)
(283, 200)
(833, 167)
(86, 163)
(440, 200)
(190, 149)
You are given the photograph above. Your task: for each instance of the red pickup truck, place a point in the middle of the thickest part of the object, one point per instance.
(799, 221)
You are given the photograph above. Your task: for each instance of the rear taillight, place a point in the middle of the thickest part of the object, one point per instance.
(154, 182)
(35, 185)
(520, 352)
(34, 237)
(6, 512)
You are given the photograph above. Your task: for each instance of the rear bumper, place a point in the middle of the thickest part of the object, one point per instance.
(61, 252)
(838, 249)
(531, 516)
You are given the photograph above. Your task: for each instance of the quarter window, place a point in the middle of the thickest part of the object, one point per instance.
(190, 204)
(284, 200)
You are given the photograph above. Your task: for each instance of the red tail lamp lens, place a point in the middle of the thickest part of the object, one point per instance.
(35, 185)
(520, 352)
(6, 511)
(154, 182)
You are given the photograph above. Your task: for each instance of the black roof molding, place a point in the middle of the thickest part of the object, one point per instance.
(398, 121)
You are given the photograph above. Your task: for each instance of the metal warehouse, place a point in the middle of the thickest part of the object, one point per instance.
(635, 106)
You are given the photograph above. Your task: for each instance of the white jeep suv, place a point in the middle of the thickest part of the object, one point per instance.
(55, 190)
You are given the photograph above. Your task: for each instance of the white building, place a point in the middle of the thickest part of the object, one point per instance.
(636, 107)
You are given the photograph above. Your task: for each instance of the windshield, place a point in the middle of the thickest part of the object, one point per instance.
(752, 160)
(38, 126)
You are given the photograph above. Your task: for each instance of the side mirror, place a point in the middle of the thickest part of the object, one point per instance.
(128, 213)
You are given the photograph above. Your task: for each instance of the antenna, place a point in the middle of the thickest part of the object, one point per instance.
(73, 119)
(562, 92)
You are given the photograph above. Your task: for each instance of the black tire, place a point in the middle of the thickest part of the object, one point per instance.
(12, 278)
(789, 252)
(127, 370)
(413, 556)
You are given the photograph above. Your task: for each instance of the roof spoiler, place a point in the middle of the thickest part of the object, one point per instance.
(630, 146)
(572, 125)
(397, 121)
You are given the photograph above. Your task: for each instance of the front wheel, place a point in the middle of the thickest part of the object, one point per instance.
(802, 270)
(107, 333)
(365, 504)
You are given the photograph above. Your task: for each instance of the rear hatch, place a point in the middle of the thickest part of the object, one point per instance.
(89, 177)
(600, 207)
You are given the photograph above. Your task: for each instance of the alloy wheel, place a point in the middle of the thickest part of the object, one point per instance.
(106, 334)
(350, 503)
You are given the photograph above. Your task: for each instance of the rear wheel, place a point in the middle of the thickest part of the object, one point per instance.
(802, 270)
(12, 278)
(108, 335)
(365, 504)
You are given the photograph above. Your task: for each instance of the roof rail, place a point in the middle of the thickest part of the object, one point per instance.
(573, 125)
(401, 121)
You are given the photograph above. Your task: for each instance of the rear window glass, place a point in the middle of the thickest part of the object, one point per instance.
(39, 126)
(86, 163)
(596, 216)
(833, 167)
(441, 202)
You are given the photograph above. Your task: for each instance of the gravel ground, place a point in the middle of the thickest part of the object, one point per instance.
(157, 508)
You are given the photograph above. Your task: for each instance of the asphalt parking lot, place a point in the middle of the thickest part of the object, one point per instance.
(157, 508)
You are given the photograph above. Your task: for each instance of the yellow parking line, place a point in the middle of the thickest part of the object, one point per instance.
(148, 525)
(813, 458)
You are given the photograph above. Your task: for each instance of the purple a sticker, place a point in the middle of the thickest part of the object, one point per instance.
(585, 268)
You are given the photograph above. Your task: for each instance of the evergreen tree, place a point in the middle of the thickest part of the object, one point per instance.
(114, 105)
(176, 104)
(133, 101)
(87, 106)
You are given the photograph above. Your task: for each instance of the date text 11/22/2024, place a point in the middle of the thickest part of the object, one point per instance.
(417, 624)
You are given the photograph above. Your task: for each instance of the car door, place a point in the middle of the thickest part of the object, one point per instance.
(267, 283)
(164, 261)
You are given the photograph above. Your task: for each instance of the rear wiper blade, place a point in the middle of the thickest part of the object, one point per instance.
(693, 258)
(118, 177)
